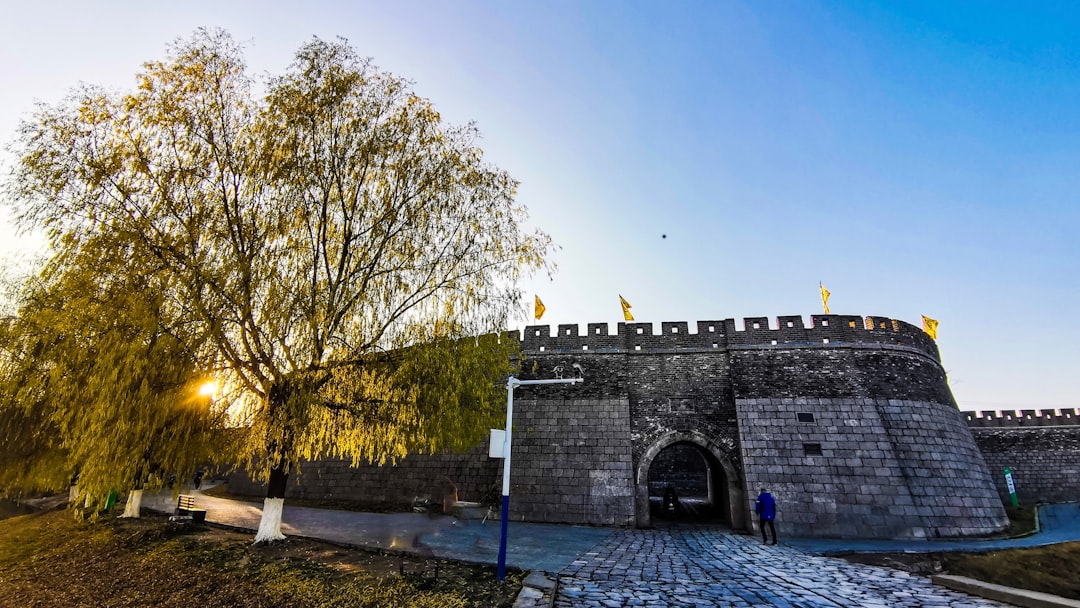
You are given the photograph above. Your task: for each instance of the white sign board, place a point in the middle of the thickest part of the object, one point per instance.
(498, 443)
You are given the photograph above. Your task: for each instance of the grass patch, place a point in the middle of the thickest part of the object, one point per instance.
(50, 559)
(1049, 569)
(1021, 520)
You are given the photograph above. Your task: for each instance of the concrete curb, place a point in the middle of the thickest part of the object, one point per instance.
(1001, 593)
(537, 591)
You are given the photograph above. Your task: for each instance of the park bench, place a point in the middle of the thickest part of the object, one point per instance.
(185, 508)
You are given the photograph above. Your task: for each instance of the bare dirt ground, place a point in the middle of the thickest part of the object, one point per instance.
(49, 558)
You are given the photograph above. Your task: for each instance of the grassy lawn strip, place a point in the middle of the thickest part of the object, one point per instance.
(1048, 569)
(50, 559)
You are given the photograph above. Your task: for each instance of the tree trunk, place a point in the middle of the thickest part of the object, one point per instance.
(134, 502)
(270, 524)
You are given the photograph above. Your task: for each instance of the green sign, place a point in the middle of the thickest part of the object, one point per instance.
(1012, 487)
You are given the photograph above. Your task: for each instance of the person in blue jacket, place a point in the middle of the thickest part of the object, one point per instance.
(766, 512)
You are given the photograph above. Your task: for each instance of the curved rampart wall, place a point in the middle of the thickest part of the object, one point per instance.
(860, 440)
(896, 458)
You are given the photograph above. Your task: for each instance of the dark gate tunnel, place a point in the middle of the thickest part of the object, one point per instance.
(688, 485)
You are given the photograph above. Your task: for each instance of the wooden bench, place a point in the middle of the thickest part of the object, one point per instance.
(185, 507)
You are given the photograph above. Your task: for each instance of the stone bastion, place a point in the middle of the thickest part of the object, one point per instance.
(848, 421)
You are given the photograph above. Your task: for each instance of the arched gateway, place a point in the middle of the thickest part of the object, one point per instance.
(712, 494)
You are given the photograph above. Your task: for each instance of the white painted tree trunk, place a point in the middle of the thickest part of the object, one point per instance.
(270, 524)
(73, 493)
(134, 502)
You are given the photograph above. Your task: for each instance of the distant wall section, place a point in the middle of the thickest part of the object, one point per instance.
(1042, 447)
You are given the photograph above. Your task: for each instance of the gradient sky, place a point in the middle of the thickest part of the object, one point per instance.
(916, 157)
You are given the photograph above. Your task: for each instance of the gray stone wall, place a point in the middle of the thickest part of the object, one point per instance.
(571, 462)
(888, 454)
(886, 468)
(1024, 418)
(677, 387)
(852, 488)
(943, 468)
(395, 486)
(838, 370)
(1045, 461)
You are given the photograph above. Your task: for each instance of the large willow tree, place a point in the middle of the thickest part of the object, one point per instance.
(346, 255)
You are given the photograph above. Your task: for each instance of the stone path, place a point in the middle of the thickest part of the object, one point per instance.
(699, 567)
(613, 568)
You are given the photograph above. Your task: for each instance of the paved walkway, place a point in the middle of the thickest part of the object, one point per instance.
(678, 566)
(547, 548)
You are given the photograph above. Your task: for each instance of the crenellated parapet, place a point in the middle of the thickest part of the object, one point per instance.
(628, 337)
(1023, 418)
(823, 330)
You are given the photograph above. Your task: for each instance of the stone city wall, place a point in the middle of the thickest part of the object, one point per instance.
(893, 455)
(393, 486)
(571, 464)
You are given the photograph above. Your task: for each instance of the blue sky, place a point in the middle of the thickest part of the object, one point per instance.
(916, 157)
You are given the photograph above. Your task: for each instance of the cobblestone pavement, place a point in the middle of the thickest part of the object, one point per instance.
(701, 567)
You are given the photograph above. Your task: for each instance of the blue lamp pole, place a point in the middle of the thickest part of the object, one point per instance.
(511, 384)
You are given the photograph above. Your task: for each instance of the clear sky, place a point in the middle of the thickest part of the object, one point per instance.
(916, 157)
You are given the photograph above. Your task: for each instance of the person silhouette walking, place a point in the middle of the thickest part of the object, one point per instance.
(766, 511)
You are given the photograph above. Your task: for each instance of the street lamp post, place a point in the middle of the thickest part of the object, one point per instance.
(511, 384)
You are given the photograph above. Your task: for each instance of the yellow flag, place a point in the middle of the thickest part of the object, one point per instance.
(539, 308)
(824, 297)
(929, 326)
(626, 309)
